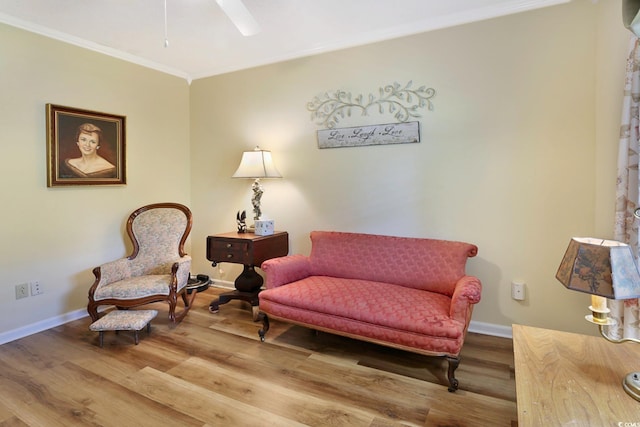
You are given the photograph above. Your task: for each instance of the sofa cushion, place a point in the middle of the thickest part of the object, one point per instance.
(380, 311)
(428, 264)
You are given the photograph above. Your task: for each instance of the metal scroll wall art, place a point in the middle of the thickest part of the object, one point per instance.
(403, 102)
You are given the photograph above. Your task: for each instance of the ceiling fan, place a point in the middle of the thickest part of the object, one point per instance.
(235, 10)
(240, 16)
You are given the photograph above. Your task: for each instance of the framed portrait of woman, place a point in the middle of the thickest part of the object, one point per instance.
(85, 147)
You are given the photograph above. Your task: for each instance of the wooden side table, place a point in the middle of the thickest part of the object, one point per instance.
(251, 251)
(571, 379)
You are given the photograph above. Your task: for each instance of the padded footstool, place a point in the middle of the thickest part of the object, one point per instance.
(124, 320)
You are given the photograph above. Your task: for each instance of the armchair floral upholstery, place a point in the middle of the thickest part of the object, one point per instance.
(158, 268)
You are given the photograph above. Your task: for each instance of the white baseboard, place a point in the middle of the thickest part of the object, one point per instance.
(491, 329)
(52, 322)
(224, 284)
(43, 325)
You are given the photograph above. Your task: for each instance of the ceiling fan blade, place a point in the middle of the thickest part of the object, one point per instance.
(240, 16)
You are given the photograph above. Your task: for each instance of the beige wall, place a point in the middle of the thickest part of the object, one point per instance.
(57, 235)
(517, 156)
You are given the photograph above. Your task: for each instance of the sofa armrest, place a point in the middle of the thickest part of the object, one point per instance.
(286, 269)
(466, 293)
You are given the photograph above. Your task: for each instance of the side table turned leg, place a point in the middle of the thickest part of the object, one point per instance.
(247, 287)
(249, 280)
(255, 311)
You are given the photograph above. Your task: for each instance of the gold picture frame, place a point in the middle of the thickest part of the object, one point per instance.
(85, 147)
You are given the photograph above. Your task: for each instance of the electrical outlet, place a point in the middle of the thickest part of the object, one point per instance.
(518, 290)
(36, 288)
(22, 290)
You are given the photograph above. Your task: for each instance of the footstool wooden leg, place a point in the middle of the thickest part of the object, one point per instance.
(136, 337)
(101, 338)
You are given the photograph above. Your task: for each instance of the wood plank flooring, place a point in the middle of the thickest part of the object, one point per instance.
(212, 370)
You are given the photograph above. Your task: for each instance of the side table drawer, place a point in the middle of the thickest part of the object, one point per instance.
(228, 250)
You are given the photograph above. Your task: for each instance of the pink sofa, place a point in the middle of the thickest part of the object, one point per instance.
(408, 293)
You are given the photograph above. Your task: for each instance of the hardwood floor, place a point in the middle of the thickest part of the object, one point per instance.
(212, 370)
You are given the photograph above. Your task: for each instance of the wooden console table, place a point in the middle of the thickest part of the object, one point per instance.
(571, 379)
(251, 251)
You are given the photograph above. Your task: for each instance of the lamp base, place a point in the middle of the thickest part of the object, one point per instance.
(600, 321)
(631, 385)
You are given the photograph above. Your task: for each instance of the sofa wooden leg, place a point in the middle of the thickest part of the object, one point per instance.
(265, 325)
(453, 365)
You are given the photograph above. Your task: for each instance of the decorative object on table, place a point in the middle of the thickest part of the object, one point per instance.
(84, 147)
(241, 220)
(264, 227)
(392, 133)
(257, 164)
(604, 269)
(403, 102)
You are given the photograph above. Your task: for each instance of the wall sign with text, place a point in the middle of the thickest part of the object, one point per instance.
(392, 133)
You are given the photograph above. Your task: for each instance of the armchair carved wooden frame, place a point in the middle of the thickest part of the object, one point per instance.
(158, 268)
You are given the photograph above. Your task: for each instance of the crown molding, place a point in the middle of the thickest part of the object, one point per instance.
(425, 25)
(86, 44)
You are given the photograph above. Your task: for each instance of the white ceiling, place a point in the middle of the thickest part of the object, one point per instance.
(204, 42)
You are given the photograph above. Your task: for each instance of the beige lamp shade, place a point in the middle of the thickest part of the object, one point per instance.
(257, 164)
(600, 267)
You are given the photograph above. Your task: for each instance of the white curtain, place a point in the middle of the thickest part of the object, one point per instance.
(626, 312)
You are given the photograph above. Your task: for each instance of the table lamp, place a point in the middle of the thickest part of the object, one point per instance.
(256, 164)
(604, 269)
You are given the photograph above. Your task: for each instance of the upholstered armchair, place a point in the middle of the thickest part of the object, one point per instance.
(158, 268)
